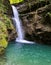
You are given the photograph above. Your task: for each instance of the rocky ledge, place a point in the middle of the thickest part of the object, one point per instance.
(36, 20)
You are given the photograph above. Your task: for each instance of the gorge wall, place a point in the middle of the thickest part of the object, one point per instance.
(36, 20)
(7, 30)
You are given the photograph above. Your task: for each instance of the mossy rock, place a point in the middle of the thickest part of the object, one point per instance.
(8, 22)
(2, 50)
(3, 36)
(3, 42)
(5, 24)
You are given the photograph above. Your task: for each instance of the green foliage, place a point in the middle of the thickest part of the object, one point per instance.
(49, 13)
(3, 34)
(15, 1)
(2, 7)
(3, 41)
(8, 22)
(5, 23)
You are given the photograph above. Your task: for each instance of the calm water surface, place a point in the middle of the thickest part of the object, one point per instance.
(25, 54)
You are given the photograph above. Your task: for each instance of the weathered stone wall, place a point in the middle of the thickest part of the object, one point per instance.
(37, 21)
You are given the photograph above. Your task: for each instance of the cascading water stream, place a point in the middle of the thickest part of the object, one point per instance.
(19, 28)
(18, 24)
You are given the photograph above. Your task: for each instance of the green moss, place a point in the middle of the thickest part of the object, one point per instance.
(15, 1)
(5, 23)
(8, 22)
(3, 42)
(3, 35)
(49, 13)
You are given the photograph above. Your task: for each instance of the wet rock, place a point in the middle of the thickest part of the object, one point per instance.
(11, 35)
(31, 6)
(37, 26)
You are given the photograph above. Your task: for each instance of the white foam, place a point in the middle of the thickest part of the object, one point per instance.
(24, 41)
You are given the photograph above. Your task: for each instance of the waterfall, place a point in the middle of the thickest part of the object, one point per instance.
(19, 28)
(18, 24)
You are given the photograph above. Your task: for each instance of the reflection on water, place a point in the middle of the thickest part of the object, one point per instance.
(25, 54)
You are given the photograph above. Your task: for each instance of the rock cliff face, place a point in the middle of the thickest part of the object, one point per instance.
(36, 20)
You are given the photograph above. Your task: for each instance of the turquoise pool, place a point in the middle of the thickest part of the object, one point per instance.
(26, 54)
